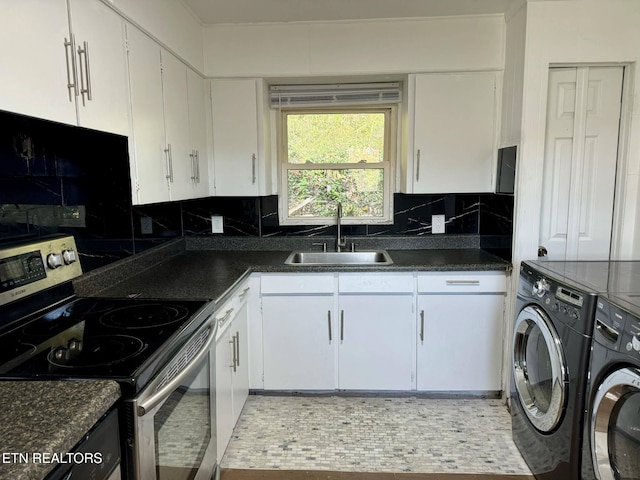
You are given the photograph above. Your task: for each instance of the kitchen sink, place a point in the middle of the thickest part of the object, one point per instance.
(375, 257)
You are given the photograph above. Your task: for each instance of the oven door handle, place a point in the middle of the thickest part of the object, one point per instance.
(145, 406)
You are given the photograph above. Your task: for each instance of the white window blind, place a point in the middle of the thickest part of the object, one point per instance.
(283, 96)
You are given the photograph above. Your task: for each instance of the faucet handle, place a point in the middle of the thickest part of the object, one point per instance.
(323, 244)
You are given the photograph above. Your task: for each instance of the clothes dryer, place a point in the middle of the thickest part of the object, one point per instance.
(611, 442)
(551, 344)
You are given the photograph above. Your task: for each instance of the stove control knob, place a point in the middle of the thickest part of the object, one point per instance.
(61, 353)
(54, 260)
(69, 256)
(541, 287)
(635, 343)
(75, 345)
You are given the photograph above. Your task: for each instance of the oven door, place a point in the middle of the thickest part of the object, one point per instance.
(174, 416)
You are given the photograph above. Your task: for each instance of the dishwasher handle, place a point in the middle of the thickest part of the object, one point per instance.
(148, 404)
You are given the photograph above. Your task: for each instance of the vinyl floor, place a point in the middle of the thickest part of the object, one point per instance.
(372, 438)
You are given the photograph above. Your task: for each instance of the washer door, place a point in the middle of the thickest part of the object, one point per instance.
(615, 426)
(539, 368)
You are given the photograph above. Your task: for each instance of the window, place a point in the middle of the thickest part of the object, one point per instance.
(336, 155)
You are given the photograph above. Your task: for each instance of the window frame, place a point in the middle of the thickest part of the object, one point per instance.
(387, 165)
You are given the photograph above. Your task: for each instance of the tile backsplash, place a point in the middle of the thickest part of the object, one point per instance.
(60, 179)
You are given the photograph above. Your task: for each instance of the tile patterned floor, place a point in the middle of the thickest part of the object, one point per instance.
(373, 434)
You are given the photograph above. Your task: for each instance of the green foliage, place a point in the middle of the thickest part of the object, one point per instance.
(343, 138)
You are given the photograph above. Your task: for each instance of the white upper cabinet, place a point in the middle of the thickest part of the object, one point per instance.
(452, 132)
(149, 161)
(52, 57)
(239, 144)
(197, 135)
(100, 66)
(168, 142)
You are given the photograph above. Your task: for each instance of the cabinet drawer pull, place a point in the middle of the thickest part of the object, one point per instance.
(237, 349)
(341, 325)
(226, 316)
(197, 157)
(169, 175)
(244, 293)
(418, 165)
(329, 324)
(193, 165)
(422, 325)
(463, 282)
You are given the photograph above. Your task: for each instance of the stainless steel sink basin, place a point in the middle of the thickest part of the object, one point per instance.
(375, 257)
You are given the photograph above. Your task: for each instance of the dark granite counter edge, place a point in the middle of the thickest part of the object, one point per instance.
(48, 417)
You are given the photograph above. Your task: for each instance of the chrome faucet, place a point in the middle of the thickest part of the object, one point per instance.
(340, 240)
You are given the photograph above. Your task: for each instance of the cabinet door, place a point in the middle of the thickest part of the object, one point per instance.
(176, 121)
(147, 145)
(224, 394)
(454, 132)
(376, 335)
(460, 342)
(299, 342)
(34, 67)
(101, 68)
(198, 134)
(235, 137)
(240, 378)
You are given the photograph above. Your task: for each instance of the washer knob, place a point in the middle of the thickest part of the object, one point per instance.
(69, 256)
(635, 343)
(54, 260)
(541, 287)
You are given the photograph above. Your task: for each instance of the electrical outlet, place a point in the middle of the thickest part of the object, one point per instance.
(437, 223)
(217, 224)
(146, 225)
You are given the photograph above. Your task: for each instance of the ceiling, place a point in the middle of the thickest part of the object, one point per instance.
(276, 11)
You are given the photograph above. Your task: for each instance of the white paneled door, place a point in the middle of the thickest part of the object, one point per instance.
(581, 151)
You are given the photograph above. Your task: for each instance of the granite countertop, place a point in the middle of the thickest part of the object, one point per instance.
(195, 272)
(47, 417)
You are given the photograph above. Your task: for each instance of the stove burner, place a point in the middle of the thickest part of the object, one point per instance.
(146, 315)
(96, 351)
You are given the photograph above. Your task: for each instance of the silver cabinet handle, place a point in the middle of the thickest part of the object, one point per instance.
(193, 167)
(85, 78)
(197, 157)
(227, 314)
(418, 165)
(422, 325)
(329, 324)
(463, 282)
(253, 169)
(237, 349)
(244, 292)
(235, 353)
(72, 74)
(169, 175)
(341, 325)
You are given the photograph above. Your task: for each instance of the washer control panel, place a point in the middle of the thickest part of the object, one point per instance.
(29, 267)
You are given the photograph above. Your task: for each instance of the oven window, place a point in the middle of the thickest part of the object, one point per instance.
(182, 428)
(624, 436)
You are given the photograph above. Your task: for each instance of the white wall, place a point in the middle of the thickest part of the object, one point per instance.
(171, 23)
(561, 32)
(355, 48)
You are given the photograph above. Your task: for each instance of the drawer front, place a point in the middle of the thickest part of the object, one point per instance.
(376, 282)
(292, 283)
(462, 282)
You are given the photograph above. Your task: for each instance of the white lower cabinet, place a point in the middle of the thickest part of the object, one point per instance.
(376, 333)
(299, 342)
(460, 331)
(232, 362)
